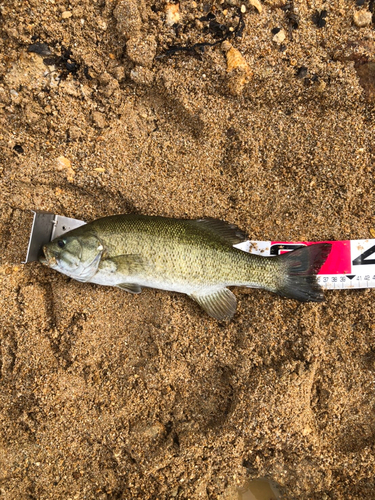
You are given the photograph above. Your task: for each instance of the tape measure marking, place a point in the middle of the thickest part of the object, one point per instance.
(350, 264)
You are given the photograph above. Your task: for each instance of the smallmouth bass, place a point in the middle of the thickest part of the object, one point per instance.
(195, 257)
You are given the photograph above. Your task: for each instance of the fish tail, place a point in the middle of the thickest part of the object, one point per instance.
(301, 267)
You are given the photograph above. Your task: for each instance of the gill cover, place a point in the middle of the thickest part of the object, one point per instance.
(75, 256)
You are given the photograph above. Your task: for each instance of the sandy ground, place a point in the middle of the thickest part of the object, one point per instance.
(104, 394)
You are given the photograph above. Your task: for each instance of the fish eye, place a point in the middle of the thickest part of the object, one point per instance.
(61, 243)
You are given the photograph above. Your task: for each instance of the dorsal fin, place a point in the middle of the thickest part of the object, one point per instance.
(224, 231)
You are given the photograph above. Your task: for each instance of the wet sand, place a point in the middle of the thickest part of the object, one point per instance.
(104, 394)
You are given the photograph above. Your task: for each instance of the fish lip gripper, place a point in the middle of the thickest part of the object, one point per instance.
(46, 227)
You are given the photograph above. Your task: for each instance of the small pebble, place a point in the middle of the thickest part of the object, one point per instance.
(74, 133)
(101, 24)
(66, 14)
(279, 37)
(18, 148)
(321, 86)
(362, 18)
(257, 5)
(99, 119)
(226, 45)
(307, 430)
(63, 162)
(301, 72)
(119, 73)
(172, 14)
(239, 72)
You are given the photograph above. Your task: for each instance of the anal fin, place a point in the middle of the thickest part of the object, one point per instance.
(221, 304)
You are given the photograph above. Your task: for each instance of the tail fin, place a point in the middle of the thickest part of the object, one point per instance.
(301, 267)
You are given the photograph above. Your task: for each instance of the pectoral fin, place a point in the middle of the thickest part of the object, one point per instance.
(130, 287)
(220, 304)
(126, 265)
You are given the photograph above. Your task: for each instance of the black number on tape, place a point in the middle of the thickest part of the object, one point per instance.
(362, 259)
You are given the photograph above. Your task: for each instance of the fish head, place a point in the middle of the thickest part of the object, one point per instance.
(73, 255)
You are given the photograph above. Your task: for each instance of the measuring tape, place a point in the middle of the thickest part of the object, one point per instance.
(350, 264)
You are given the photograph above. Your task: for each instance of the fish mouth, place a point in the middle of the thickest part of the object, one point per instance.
(47, 260)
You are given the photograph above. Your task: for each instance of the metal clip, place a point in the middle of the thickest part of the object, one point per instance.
(45, 228)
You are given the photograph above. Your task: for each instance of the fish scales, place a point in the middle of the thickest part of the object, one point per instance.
(179, 252)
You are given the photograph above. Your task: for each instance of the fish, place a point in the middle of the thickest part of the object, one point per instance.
(194, 257)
